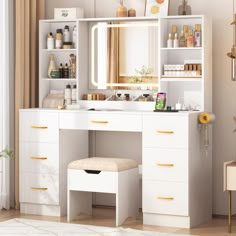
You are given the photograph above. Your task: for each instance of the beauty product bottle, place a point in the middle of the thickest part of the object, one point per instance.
(59, 38)
(182, 40)
(68, 94)
(174, 30)
(50, 41)
(74, 37)
(176, 41)
(61, 70)
(190, 39)
(66, 71)
(197, 36)
(169, 42)
(52, 65)
(66, 34)
(74, 94)
(185, 29)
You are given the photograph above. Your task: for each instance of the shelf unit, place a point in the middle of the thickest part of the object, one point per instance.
(175, 87)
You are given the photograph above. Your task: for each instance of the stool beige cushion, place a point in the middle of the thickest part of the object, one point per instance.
(103, 164)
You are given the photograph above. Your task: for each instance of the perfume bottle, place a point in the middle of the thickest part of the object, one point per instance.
(197, 36)
(190, 39)
(182, 40)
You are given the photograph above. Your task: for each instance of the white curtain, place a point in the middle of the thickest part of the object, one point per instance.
(4, 102)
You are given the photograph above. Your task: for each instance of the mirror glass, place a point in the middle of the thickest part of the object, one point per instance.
(124, 55)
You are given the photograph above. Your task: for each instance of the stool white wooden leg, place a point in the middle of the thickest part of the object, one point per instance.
(77, 203)
(126, 196)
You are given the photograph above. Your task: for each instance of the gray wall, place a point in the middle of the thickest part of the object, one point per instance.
(224, 90)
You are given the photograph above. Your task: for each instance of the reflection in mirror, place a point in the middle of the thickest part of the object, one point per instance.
(124, 55)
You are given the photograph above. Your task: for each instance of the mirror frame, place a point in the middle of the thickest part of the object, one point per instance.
(94, 28)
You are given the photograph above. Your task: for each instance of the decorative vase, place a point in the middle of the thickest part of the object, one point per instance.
(121, 11)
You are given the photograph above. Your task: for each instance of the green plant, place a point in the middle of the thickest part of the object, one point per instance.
(6, 153)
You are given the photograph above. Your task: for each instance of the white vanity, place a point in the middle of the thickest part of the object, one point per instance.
(176, 167)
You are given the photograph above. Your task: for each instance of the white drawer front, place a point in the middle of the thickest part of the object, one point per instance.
(101, 121)
(39, 126)
(104, 182)
(165, 131)
(165, 198)
(165, 164)
(39, 157)
(39, 188)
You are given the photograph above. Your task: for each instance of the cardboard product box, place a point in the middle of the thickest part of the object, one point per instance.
(68, 13)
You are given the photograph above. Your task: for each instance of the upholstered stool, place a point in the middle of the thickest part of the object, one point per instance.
(103, 175)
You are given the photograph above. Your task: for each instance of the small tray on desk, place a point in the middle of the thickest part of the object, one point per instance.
(166, 110)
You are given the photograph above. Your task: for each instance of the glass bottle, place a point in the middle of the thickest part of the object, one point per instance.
(66, 34)
(197, 36)
(176, 41)
(52, 65)
(182, 40)
(59, 37)
(190, 39)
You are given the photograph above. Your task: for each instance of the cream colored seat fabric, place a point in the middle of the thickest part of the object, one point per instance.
(103, 164)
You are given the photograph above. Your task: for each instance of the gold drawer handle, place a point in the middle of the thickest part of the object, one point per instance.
(165, 132)
(39, 127)
(39, 189)
(99, 122)
(39, 158)
(165, 165)
(165, 198)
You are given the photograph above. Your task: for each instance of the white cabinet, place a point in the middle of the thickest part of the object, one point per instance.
(43, 161)
(49, 85)
(174, 171)
(194, 91)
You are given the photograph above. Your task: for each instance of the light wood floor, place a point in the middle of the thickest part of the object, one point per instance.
(106, 217)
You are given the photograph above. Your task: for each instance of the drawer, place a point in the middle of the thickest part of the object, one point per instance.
(39, 188)
(39, 126)
(160, 197)
(103, 182)
(165, 164)
(165, 131)
(101, 121)
(39, 157)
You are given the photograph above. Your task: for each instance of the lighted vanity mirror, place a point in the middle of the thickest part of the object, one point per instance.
(124, 55)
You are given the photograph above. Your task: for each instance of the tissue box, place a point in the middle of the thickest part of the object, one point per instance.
(68, 13)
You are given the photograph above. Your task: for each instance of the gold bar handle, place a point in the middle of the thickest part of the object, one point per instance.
(39, 189)
(165, 132)
(165, 198)
(99, 122)
(165, 165)
(39, 127)
(39, 158)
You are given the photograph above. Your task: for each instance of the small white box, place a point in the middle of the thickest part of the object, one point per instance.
(68, 13)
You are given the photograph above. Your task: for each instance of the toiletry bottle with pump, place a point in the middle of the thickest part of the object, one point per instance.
(74, 94)
(190, 39)
(169, 41)
(50, 41)
(176, 41)
(59, 38)
(197, 36)
(182, 40)
(68, 94)
(66, 34)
